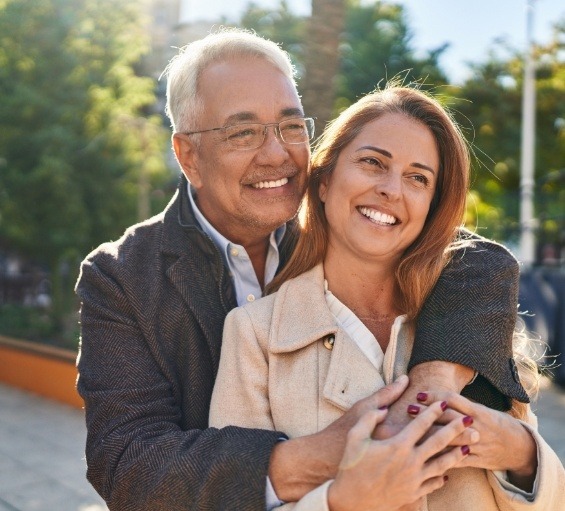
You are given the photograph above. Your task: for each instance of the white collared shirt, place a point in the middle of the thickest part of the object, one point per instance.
(235, 257)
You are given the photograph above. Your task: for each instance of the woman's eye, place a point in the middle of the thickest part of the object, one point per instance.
(420, 179)
(372, 161)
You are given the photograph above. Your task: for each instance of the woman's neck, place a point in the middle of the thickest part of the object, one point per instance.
(368, 289)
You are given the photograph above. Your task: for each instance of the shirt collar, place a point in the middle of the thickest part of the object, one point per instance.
(219, 240)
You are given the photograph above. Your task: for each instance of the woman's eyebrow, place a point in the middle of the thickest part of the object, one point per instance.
(384, 152)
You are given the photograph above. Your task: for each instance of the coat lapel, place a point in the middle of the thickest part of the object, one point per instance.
(301, 317)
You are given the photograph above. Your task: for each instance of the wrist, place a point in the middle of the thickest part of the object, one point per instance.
(295, 468)
(440, 375)
(525, 462)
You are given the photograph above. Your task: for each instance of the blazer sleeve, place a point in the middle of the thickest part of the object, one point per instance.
(469, 319)
(139, 455)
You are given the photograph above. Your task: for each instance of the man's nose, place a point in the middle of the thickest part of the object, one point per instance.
(274, 150)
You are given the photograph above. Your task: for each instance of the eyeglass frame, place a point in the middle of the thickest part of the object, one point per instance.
(309, 122)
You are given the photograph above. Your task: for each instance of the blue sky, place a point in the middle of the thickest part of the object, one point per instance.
(470, 26)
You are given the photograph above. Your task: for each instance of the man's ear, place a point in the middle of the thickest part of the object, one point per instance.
(187, 156)
(323, 188)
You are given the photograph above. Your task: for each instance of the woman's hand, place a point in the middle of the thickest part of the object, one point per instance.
(505, 444)
(379, 475)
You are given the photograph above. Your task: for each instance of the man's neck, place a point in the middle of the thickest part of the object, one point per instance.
(257, 252)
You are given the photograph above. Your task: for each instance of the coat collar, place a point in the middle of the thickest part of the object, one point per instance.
(300, 313)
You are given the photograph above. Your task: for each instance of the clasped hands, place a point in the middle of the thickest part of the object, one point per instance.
(392, 459)
(381, 457)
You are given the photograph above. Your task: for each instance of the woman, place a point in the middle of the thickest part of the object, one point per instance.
(385, 200)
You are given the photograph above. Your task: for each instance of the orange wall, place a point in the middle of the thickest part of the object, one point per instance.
(47, 371)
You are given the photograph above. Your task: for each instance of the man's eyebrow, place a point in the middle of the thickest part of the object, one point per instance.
(252, 117)
(384, 152)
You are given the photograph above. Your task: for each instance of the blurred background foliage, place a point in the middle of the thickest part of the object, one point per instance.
(84, 147)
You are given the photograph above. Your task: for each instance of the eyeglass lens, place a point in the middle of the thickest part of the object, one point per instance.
(291, 131)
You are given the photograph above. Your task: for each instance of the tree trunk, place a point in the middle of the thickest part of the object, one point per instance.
(322, 59)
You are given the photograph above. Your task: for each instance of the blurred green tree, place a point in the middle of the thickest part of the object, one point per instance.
(490, 112)
(374, 46)
(73, 137)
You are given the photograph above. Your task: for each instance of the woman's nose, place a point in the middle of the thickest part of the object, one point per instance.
(390, 186)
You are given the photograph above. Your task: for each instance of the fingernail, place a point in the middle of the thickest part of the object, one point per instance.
(465, 450)
(421, 396)
(401, 378)
(467, 420)
(443, 405)
(475, 437)
(413, 409)
(384, 407)
(445, 479)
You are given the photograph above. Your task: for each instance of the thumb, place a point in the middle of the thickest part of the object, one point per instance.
(391, 392)
(364, 427)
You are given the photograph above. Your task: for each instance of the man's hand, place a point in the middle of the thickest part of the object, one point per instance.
(299, 465)
(437, 375)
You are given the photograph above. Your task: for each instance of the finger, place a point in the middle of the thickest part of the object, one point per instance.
(432, 484)
(388, 394)
(455, 401)
(443, 437)
(450, 459)
(447, 416)
(421, 423)
(469, 437)
(364, 427)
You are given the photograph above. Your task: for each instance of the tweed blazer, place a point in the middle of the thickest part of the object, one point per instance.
(277, 373)
(153, 308)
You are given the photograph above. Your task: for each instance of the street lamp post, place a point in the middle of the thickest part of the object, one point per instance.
(527, 220)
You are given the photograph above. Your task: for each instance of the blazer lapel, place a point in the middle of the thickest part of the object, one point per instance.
(196, 271)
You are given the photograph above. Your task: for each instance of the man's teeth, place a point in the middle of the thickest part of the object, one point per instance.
(271, 184)
(377, 216)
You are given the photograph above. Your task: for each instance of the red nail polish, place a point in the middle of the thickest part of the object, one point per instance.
(384, 407)
(413, 409)
(467, 420)
(421, 396)
(444, 405)
(465, 450)
(445, 479)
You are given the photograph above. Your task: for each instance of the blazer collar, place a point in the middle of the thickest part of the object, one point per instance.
(300, 313)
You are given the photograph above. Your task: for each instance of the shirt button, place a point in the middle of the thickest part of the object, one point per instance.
(250, 298)
(234, 252)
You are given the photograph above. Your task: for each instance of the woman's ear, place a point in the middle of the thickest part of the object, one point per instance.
(323, 187)
(187, 157)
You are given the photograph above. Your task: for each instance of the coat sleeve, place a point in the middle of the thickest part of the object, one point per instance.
(241, 395)
(469, 319)
(139, 455)
(549, 487)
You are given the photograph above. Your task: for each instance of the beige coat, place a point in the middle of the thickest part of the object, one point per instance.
(277, 373)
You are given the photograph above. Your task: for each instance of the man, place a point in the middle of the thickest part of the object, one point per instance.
(154, 302)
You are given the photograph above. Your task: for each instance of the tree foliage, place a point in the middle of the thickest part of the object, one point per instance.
(72, 140)
(490, 109)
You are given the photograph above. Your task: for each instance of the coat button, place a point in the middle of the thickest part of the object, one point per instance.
(329, 342)
(514, 370)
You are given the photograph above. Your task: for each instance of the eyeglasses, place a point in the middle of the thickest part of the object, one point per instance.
(252, 135)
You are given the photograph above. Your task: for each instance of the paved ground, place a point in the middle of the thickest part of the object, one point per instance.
(42, 442)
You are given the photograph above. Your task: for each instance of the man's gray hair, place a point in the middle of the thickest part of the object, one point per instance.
(184, 107)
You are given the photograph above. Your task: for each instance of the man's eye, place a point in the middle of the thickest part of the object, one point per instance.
(243, 132)
(294, 127)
